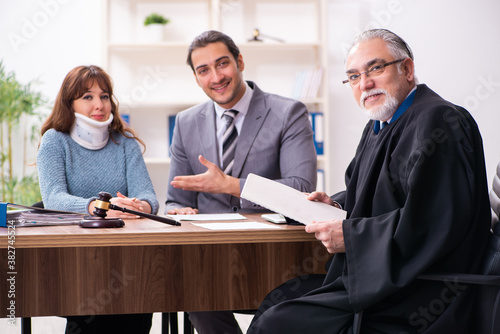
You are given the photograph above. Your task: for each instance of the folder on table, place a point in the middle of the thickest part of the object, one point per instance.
(17, 215)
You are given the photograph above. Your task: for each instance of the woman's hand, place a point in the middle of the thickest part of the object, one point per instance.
(124, 202)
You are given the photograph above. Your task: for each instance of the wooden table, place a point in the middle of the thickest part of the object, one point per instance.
(148, 266)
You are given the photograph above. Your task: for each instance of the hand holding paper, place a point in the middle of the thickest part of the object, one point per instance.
(288, 201)
(319, 196)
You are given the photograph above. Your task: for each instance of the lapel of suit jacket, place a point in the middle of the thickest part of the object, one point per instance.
(254, 119)
(205, 131)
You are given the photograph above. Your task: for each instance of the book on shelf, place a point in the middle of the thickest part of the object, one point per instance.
(316, 118)
(170, 125)
(287, 201)
(125, 118)
(17, 215)
(307, 84)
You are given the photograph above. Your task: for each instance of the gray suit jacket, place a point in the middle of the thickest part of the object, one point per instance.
(276, 141)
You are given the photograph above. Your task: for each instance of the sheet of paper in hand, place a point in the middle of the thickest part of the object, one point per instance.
(287, 201)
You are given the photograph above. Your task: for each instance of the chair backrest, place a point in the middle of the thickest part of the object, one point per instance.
(488, 302)
(488, 297)
(495, 197)
(486, 285)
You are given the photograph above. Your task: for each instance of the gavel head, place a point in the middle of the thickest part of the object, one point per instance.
(102, 204)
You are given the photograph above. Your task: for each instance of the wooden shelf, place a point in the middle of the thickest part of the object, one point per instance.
(147, 46)
(186, 104)
(157, 161)
(117, 47)
(159, 105)
(152, 80)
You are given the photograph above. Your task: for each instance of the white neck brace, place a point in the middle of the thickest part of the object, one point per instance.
(89, 133)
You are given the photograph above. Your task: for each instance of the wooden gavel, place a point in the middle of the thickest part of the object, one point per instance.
(103, 204)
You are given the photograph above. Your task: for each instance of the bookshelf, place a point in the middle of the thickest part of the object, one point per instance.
(152, 80)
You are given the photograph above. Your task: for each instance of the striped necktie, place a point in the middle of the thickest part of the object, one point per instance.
(229, 140)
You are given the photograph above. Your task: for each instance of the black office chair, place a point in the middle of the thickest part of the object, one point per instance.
(170, 318)
(487, 308)
(189, 328)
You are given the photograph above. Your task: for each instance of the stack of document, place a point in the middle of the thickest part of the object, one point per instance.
(20, 215)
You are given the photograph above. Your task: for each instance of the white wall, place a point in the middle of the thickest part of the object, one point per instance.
(455, 42)
(41, 40)
(44, 39)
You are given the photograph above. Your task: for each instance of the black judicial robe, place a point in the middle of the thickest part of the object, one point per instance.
(417, 202)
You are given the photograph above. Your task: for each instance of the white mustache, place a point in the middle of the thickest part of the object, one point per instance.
(369, 93)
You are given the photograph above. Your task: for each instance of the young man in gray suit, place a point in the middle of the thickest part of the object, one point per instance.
(274, 139)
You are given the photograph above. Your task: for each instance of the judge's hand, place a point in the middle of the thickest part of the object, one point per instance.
(330, 234)
(213, 181)
(182, 211)
(320, 196)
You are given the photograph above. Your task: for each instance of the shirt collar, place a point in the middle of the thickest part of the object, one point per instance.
(241, 106)
(402, 108)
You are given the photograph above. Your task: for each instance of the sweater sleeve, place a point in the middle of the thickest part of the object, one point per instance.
(138, 180)
(51, 165)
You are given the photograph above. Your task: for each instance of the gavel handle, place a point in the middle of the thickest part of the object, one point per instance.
(146, 215)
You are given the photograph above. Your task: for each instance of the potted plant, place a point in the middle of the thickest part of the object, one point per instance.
(155, 24)
(19, 132)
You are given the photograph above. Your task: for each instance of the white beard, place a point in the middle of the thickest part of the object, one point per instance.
(383, 112)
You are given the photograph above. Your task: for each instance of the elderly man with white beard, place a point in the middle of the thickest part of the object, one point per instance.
(417, 202)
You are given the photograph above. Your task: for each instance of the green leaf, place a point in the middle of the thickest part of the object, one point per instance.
(155, 18)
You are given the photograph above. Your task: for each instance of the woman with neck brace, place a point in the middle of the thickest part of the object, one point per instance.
(86, 148)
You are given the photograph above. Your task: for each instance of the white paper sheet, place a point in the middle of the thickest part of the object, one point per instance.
(208, 217)
(288, 201)
(236, 226)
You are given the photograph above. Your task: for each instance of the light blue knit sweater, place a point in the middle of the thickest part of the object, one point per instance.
(71, 176)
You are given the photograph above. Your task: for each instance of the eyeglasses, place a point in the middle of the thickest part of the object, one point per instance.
(375, 70)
